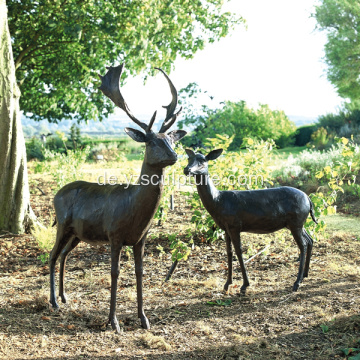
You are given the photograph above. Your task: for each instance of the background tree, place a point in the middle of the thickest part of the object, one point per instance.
(60, 45)
(15, 212)
(240, 121)
(341, 20)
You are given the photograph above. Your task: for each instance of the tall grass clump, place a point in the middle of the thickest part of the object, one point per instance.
(44, 236)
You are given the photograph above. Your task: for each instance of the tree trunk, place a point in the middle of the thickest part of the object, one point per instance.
(16, 215)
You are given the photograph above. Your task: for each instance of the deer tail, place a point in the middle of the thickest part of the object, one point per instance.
(312, 214)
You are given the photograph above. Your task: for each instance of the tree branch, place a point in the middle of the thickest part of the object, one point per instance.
(20, 57)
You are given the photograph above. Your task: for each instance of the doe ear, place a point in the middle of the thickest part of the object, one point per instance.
(212, 155)
(189, 153)
(176, 135)
(136, 134)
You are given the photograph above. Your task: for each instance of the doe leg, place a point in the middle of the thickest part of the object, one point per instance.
(308, 253)
(61, 241)
(115, 270)
(230, 263)
(236, 241)
(302, 244)
(69, 247)
(138, 257)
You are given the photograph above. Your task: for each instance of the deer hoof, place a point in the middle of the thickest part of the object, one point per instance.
(243, 289)
(296, 286)
(63, 298)
(145, 322)
(226, 286)
(115, 325)
(54, 304)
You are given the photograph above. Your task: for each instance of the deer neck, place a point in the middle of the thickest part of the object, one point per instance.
(151, 182)
(207, 191)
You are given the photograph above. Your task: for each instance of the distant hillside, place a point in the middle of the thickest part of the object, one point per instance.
(111, 127)
(302, 120)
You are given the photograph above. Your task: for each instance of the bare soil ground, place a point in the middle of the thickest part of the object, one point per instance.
(269, 322)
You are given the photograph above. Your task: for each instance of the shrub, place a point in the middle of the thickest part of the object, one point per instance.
(320, 139)
(303, 134)
(35, 149)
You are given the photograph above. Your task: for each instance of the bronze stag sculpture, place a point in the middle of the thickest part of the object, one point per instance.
(116, 214)
(255, 211)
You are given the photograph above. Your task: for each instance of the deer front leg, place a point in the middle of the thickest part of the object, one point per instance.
(236, 241)
(115, 270)
(138, 257)
(230, 263)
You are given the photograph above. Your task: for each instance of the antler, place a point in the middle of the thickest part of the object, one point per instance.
(170, 109)
(110, 88)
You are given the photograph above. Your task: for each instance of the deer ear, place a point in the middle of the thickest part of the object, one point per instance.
(136, 134)
(212, 155)
(176, 135)
(189, 153)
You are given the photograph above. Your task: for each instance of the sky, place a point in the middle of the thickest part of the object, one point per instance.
(278, 60)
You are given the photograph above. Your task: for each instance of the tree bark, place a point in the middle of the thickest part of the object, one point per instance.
(16, 215)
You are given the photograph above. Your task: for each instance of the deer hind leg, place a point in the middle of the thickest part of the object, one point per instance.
(69, 247)
(61, 241)
(230, 264)
(310, 242)
(236, 241)
(302, 242)
(138, 257)
(115, 270)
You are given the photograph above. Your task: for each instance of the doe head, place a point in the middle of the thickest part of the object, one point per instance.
(198, 163)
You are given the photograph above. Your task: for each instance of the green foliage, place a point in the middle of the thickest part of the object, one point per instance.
(352, 351)
(65, 168)
(324, 328)
(59, 46)
(334, 176)
(179, 249)
(219, 302)
(345, 123)
(339, 18)
(303, 134)
(35, 149)
(320, 139)
(44, 236)
(236, 119)
(75, 136)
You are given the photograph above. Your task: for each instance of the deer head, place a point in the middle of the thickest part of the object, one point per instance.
(198, 163)
(159, 146)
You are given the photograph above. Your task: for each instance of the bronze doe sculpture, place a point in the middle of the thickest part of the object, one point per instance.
(255, 211)
(99, 214)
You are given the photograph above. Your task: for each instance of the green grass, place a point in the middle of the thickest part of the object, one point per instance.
(340, 222)
(283, 154)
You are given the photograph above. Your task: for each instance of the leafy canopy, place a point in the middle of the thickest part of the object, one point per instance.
(60, 45)
(239, 121)
(341, 20)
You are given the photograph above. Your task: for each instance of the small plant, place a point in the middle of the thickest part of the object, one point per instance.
(219, 302)
(352, 351)
(44, 236)
(324, 328)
